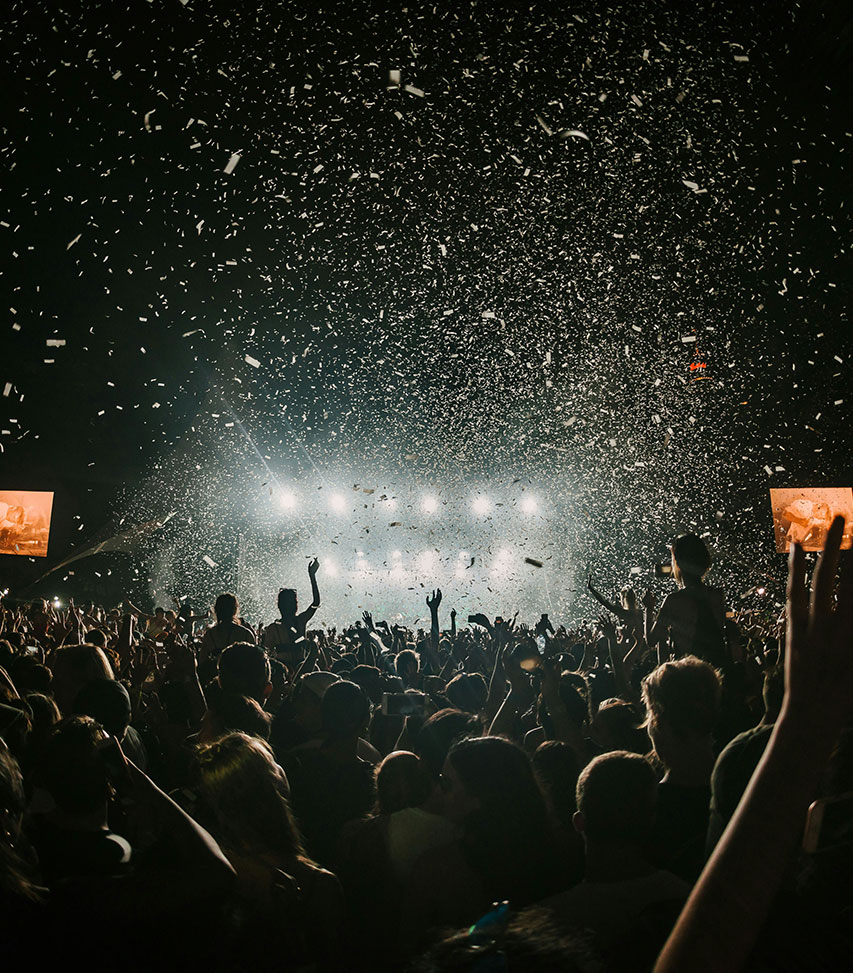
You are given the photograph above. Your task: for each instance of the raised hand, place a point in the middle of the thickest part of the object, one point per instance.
(435, 600)
(313, 567)
(368, 620)
(819, 643)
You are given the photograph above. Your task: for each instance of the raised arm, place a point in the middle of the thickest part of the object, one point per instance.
(611, 606)
(723, 916)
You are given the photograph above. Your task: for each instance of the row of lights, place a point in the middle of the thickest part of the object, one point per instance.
(480, 505)
(427, 561)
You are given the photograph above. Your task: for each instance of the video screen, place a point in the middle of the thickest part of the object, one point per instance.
(804, 515)
(25, 522)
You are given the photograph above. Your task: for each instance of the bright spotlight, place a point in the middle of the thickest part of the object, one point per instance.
(330, 567)
(390, 503)
(460, 572)
(528, 505)
(396, 555)
(481, 505)
(337, 503)
(430, 505)
(463, 555)
(427, 560)
(287, 499)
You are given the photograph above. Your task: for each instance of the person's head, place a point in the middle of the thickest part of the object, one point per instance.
(616, 727)
(490, 790)
(160, 614)
(488, 774)
(468, 691)
(71, 769)
(97, 636)
(248, 794)
(225, 607)
(682, 699)
(287, 604)
(345, 711)
(401, 782)
(307, 700)
(616, 798)
(407, 665)
(107, 702)
(229, 712)
(628, 597)
(244, 669)
(690, 559)
(74, 666)
(555, 765)
(438, 734)
(370, 680)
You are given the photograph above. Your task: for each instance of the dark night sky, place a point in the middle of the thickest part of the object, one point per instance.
(437, 284)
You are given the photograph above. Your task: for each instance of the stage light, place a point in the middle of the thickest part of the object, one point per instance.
(430, 505)
(330, 567)
(396, 554)
(528, 505)
(427, 560)
(337, 503)
(463, 555)
(460, 572)
(481, 505)
(287, 499)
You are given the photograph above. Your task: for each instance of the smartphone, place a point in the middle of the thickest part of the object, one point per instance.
(402, 704)
(663, 570)
(730, 614)
(540, 644)
(829, 823)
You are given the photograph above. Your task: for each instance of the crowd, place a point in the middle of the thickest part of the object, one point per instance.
(667, 789)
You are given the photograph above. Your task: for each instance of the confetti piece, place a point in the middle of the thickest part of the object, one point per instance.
(209, 560)
(231, 165)
(70, 245)
(412, 90)
(533, 562)
(252, 361)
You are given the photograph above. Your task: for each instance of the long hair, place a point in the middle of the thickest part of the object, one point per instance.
(245, 790)
(508, 839)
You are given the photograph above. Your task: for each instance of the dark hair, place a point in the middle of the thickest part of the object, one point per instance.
(234, 713)
(685, 694)
(225, 607)
(691, 555)
(71, 769)
(556, 767)
(14, 878)
(507, 840)
(244, 669)
(439, 733)
(106, 701)
(468, 691)
(401, 782)
(406, 658)
(345, 708)
(617, 795)
(245, 789)
(287, 603)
